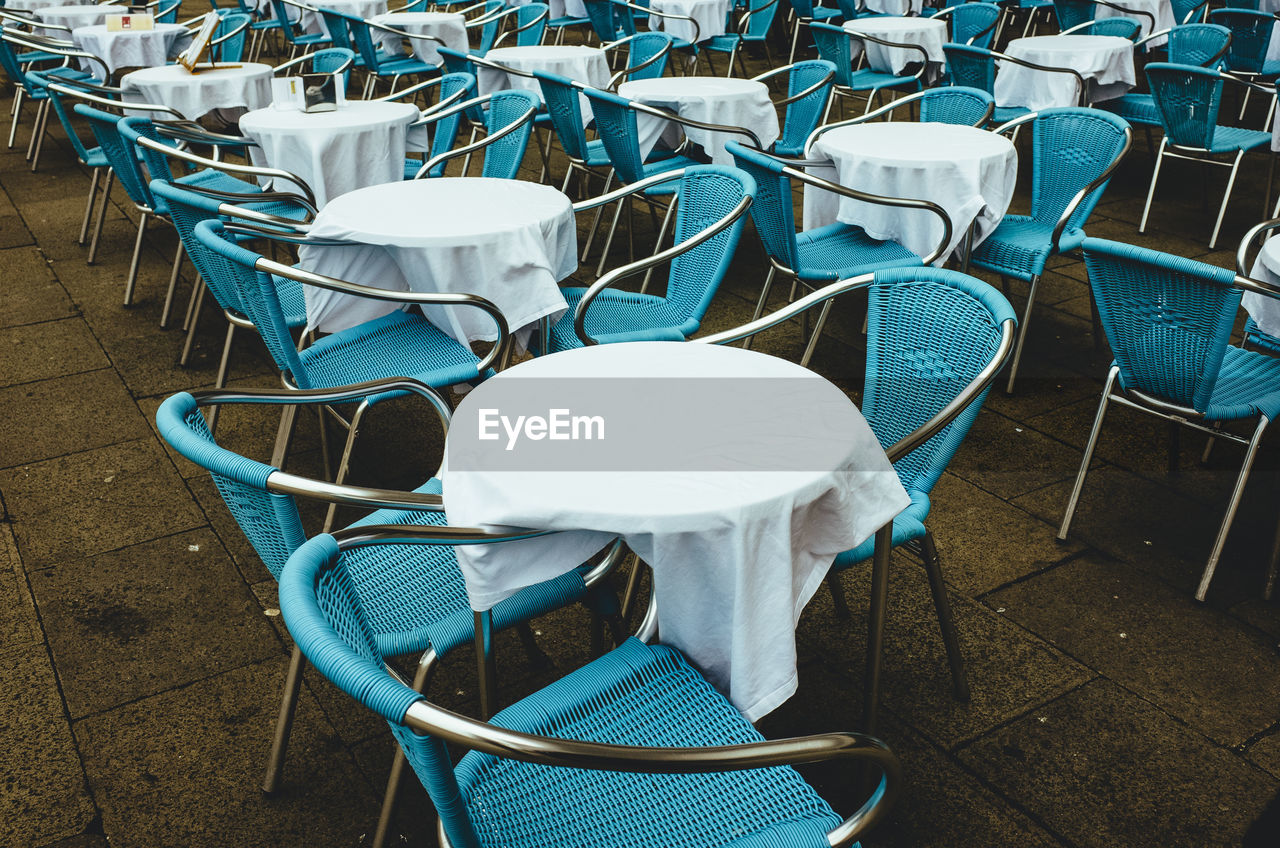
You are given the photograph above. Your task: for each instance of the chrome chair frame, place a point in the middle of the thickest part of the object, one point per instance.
(862, 58)
(887, 108)
(948, 11)
(620, 76)
(472, 147)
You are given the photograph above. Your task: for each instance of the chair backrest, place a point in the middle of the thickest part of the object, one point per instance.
(760, 20)
(1253, 5)
(269, 520)
(803, 115)
(616, 127)
(930, 332)
(604, 18)
(970, 66)
(773, 211)
(444, 132)
(955, 104)
(340, 32)
(1250, 37)
(564, 107)
(643, 47)
(1130, 28)
(526, 16)
(119, 152)
(231, 50)
(848, 9)
(287, 19)
(492, 25)
(1185, 10)
(257, 294)
(802, 8)
(9, 63)
(1072, 147)
(188, 208)
(1168, 319)
(40, 81)
(359, 37)
(1198, 44)
(974, 23)
(1074, 12)
(502, 158)
(1187, 99)
(330, 59)
(835, 46)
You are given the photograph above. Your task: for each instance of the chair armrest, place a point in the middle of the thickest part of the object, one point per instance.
(410, 35)
(799, 95)
(1242, 269)
(231, 34)
(631, 188)
(69, 87)
(1142, 13)
(916, 48)
(668, 115)
(425, 170)
(542, 16)
(1005, 57)
(411, 90)
(1059, 227)
(697, 30)
(628, 71)
(746, 16)
(231, 167)
(580, 313)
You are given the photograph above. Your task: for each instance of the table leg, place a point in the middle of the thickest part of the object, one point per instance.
(875, 630)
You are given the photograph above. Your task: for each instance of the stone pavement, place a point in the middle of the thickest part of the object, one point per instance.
(143, 652)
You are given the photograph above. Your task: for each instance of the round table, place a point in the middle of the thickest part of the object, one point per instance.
(73, 17)
(1105, 62)
(506, 240)
(247, 86)
(564, 9)
(135, 48)
(927, 33)
(738, 505)
(894, 7)
(709, 15)
(1265, 311)
(727, 101)
(584, 64)
(449, 27)
(360, 144)
(969, 172)
(314, 21)
(1161, 10)
(34, 5)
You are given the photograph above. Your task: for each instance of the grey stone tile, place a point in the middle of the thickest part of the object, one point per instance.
(147, 618)
(1008, 458)
(1105, 768)
(36, 296)
(19, 624)
(184, 768)
(85, 503)
(64, 415)
(84, 840)
(13, 232)
(51, 349)
(1155, 641)
(1265, 753)
(43, 797)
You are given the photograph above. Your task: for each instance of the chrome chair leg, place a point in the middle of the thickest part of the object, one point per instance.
(608, 242)
(88, 206)
(132, 279)
(284, 434)
(817, 331)
(344, 464)
(1022, 334)
(760, 304)
(1272, 567)
(221, 380)
(946, 620)
(37, 135)
(1232, 506)
(284, 722)
(595, 221)
(662, 232)
(16, 112)
(174, 273)
(1222, 210)
(633, 586)
(1151, 191)
(193, 312)
(1088, 454)
(875, 626)
(102, 214)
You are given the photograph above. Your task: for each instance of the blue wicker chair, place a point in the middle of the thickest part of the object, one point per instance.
(327, 60)
(413, 596)
(808, 92)
(753, 28)
(552, 763)
(1072, 14)
(1203, 45)
(647, 55)
(38, 51)
(509, 121)
(971, 23)
(294, 37)
(1126, 28)
(1251, 33)
(947, 104)
(229, 37)
(454, 88)
(1253, 334)
(808, 13)
(1169, 320)
(836, 46)
(587, 157)
(1187, 11)
(1074, 152)
(823, 255)
(376, 63)
(975, 67)
(1187, 99)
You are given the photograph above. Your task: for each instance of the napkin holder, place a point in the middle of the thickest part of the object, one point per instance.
(131, 22)
(319, 92)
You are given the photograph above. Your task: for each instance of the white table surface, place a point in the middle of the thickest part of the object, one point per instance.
(895, 7)
(928, 33)
(450, 27)
(709, 15)
(736, 554)
(360, 144)
(247, 86)
(969, 172)
(32, 5)
(583, 64)
(76, 16)
(1162, 10)
(139, 48)
(1105, 62)
(563, 9)
(314, 21)
(715, 100)
(506, 240)
(1265, 311)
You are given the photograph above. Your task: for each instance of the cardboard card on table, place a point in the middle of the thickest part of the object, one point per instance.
(200, 43)
(130, 22)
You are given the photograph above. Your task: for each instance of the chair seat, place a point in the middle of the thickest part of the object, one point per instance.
(838, 251)
(639, 695)
(1231, 139)
(621, 316)
(400, 343)
(94, 157)
(825, 13)
(596, 157)
(1134, 108)
(1004, 114)
(400, 67)
(1021, 245)
(568, 21)
(1248, 384)
(869, 80)
(723, 43)
(656, 164)
(1253, 335)
(908, 526)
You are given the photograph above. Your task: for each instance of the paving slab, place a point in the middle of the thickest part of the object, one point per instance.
(33, 294)
(50, 349)
(19, 624)
(65, 415)
(1007, 458)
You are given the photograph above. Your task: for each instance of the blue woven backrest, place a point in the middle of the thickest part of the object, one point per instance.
(119, 152)
(9, 62)
(1168, 319)
(955, 104)
(1250, 37)
(444, 132)
(1197, 44)
(1129, 28)
(533, 35)
(565, 110)
(328, 60)
(502, 158)
(644, 47)
(972, 67)
(158, 165)
(340, 33)
(848, 9)
(322, 610)
(772, 212)
(455, 62)
(1253, 5)
(976, 21)
(1073, 12)
(1072, 147)
(270, 521)
(802, 8)
(803, 115)
(187, 209)
(281, 10)
(707, 193)
(231, 50)
(761, 19)
(1187, 98)
(361, 37)
(258, 296)
(930, 332)
(834, 45)
(40, 81)
(604, 19)
(1183, 10)
(625, 18)
(616, 128)
(168, 13)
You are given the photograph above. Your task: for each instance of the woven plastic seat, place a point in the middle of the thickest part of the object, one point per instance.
(1189, 44)
(753, 28)
(1253, 335)
(1168, 320)
(836, 46)
(1074, 152)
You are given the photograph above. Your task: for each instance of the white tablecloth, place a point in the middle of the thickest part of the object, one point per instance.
(563, 9)
(314, 22)
(1105, 62)
(1264, 310)
(360, 144)
(928, 33)
(709, 15)
(505, 240)
(969, 172)
(142, 48)
(75, 16)
(714, 100)
(450, 27)
(736, 554)
(32, 5)
(247, 86)
(1162, 10)
(895, 7)
(582, 64)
